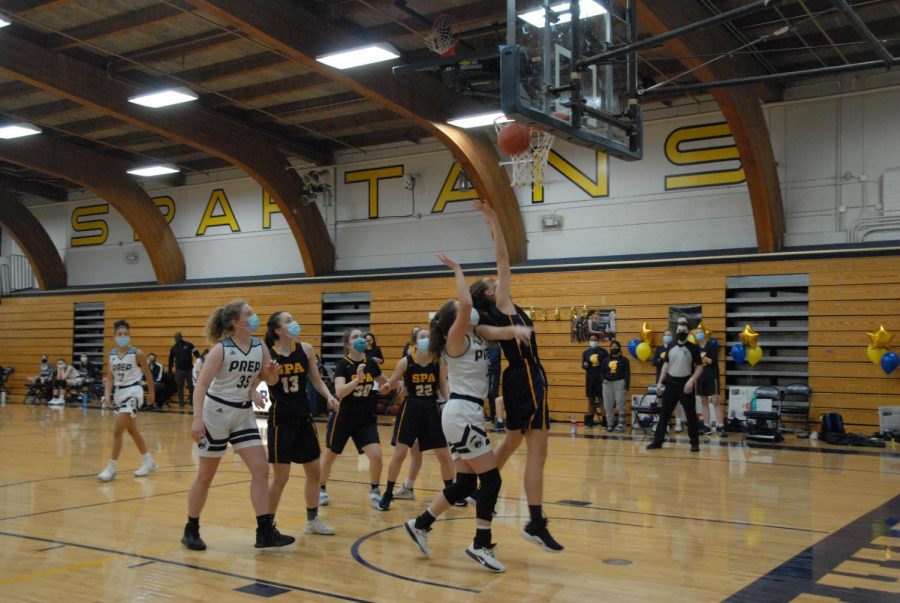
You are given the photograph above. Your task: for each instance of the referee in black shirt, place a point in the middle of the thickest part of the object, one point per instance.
(679, 374)
(181, 356)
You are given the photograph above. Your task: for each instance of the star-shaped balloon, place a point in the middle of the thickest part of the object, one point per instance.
(647, 334)
(749, 337)
(880, 339)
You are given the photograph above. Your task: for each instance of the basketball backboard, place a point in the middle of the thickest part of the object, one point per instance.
(541, 62)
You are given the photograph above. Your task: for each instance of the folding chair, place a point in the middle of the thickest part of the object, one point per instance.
(764, 422)
(796, 402)
(645, 415)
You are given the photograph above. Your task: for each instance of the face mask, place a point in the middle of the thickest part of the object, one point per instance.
(615, 351)
(699, 336)
(667, 339)
(359, 345)
(60, 365)
(84, 360)
(151, 360)
(593, 344)
(252, 322)
(44, 360)
(422, 344)
(293, 329)
(682, 336)
(474, 317)
(123, 341)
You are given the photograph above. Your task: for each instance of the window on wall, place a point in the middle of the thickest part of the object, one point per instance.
(87, 332)
(776, 307)
(341, 311)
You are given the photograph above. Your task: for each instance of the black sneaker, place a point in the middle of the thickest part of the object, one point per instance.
(705, 429)
(695, 448)
(385, 503)
(654, 445)
(461, 503)
(192, 540)
(266, 537)
(540, 535)
(722, 432)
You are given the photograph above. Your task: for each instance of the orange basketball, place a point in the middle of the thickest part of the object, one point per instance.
(514, 139)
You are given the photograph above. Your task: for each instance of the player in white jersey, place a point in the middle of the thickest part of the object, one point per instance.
(455, 333)
(127, 365)
(223, 414)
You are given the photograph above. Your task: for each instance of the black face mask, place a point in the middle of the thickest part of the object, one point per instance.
(682, 336)
(615, 351)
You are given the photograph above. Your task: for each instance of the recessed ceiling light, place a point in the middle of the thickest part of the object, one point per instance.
(164, 98)
(477, 121)
(589, 8)
(3, 22)
(18, 130)
(155, 170)
(355, 57)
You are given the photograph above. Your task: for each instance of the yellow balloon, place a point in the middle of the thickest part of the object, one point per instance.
(880, 338)
(875, 354)
(647, 334)
(643, 351)
(754, 355)
(749, 337)
(691, 338)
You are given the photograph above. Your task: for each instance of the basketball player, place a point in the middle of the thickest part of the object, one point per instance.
(524, 385)
(355, 376)
(454, 332)
(126, 367)
(292, 433)
(419, 420)
(223, 415)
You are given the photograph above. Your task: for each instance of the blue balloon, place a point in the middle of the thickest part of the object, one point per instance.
(632, 347)
(889, 362)
(714, 341)
(738, 353)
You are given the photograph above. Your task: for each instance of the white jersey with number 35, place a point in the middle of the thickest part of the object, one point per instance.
(238, 371)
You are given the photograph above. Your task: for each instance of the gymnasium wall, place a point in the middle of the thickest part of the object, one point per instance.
(838, 163)
(848, 296)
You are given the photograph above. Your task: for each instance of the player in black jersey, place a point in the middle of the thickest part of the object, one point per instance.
(292, 433)
(355, 378)
(423, 376)
(524, 385)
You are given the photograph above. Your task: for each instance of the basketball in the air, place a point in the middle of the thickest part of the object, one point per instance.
(514, 139)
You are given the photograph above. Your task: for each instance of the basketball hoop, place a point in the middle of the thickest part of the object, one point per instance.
(444, 36)
(528, 166)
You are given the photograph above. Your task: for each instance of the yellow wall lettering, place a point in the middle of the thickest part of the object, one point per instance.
(269, 207)
(682, 148)
(596, 187)
(226, 218)
(166, 205)
(98, 227)
(373, 176)
(450, 194)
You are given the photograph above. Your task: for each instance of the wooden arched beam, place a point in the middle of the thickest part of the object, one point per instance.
(33, 240)
(249, 149)
(105, 176)
(740, 106)
(303, 36)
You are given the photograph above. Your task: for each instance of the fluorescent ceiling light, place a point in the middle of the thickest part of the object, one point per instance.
(164, 98)
(477, 121)
(373, 53)
(589, 8)
(3, 22)
(155, 170)
(18, 130)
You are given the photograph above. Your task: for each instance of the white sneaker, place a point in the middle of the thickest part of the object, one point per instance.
(146, 469)
(485, 556)
(317, 526)
(323, 498)
(679, 427)
(420, 537)
(56, 402)
(404, 493)
(108, 474)
(374, 497)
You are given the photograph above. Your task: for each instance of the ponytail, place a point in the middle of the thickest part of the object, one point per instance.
(271, 326)
(439, 327)
(221, 321)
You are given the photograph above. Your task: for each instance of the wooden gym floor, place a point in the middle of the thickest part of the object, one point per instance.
(802, 521)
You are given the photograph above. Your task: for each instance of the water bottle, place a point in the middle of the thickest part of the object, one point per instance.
(84, 398)
(3, 398)
(573, 426)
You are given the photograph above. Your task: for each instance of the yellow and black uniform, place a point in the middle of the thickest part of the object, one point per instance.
(524, 380)
(420, 417)
(292, 433)
(593, 374)
(708, 382)
(355, 417)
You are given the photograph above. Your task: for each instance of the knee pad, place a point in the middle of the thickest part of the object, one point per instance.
(463, 486)
(487, 495)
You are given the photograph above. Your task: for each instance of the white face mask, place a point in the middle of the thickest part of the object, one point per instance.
(474, 317)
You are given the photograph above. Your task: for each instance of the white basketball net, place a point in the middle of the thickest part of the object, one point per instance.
(443, 34)
(528, 166)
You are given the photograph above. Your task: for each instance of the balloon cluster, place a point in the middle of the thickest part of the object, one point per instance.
(748, 350)
(879, 352)
(642, 348)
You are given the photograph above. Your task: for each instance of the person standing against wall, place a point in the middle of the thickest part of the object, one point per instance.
(181, 357)
(592, 362)
(708, 385)
(616, 372)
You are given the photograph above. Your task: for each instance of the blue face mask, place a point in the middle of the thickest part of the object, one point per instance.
(667, 339)
(474, 317)
(422, 344)
(123, 341)
(293, 329)
(359, 345)
(252, 323)
(594, 344)
(699, 336)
